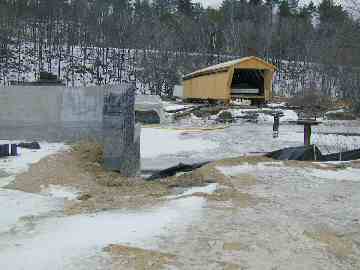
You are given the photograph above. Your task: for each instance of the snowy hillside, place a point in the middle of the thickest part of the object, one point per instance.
(154, 72)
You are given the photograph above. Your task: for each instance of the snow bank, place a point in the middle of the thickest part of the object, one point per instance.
(156, 142)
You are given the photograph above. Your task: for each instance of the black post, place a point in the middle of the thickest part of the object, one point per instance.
(276, 125)
(13, 151)
(307, 134)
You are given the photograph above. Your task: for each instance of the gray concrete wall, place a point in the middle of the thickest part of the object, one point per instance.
(51, 113)
(48, 104)
(54, 113)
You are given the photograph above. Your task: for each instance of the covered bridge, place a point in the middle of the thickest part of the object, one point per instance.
(244, 78)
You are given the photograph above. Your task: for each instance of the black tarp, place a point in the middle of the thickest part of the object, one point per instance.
(181, 167)
(312, 153)
(307, 153)
(344, 156)
(31, 145)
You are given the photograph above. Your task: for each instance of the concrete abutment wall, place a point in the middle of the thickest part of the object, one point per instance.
(60, 114)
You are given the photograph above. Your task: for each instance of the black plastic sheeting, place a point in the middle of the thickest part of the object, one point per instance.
(181, 167)
(344, 156)
(31, 145)
(308, 153)
(312, 153)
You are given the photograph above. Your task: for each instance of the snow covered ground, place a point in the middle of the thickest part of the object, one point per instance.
(164, 147)
(289, 202)
(161, 148)
(238, 139)
(33, 225)
(63, 192)
(14, 204)
(156, 142)
(70, 242)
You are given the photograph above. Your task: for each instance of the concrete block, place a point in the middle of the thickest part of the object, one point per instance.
(121, 142)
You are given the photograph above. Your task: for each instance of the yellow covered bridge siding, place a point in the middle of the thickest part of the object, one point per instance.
(245, 78)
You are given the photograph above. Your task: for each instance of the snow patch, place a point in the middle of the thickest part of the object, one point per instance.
(20, 163)
(348, 174)
(335, 111)
(17, 204)
(66, 243)
(276, 105)
(288, 116)
(208, 189)
(264, 115)
(265, 118)
(58, 191)
(247, 168)
(156, 142)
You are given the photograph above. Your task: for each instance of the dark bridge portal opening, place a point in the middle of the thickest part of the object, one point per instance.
(247, 82)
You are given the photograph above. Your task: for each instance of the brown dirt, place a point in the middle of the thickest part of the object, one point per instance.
(132, 258)
(355, 164)
(124, 257)
(81, 168)
(233, 246)
(338, 244)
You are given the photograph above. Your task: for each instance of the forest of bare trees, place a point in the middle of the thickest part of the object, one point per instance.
(315, 47)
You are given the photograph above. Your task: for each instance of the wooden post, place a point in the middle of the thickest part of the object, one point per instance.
(307, 129)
